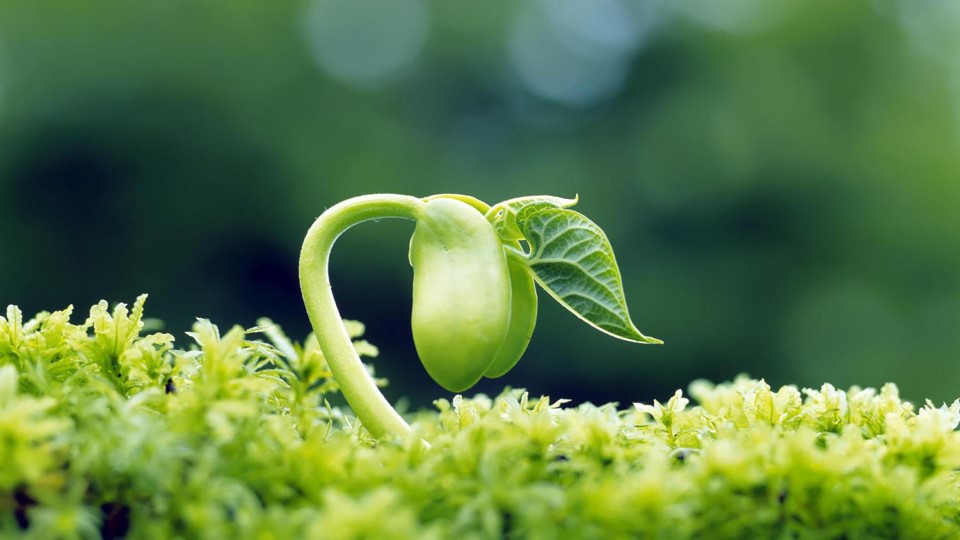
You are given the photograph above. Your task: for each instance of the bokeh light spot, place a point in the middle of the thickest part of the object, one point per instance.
(733, 16)
(932, 31)
(607, 25)
(576, 54)
(363, 43)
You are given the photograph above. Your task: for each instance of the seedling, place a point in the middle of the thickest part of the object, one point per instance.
(474, 299)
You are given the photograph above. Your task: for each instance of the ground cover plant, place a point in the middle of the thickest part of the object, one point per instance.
(108, 430)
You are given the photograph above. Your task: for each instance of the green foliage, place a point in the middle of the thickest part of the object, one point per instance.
(574, 262)
(107, 432)
(503, 215)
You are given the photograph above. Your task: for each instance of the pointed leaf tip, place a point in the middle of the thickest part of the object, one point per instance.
(573, 261)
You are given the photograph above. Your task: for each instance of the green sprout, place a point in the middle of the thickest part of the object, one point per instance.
(474, 299)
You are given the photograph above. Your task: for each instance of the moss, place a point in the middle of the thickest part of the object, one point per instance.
(105, 432)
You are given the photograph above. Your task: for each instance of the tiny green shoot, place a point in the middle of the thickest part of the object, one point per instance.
(475, 304)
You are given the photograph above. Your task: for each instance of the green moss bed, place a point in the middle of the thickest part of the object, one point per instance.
(108, 431)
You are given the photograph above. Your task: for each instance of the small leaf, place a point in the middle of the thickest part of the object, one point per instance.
(572, 260)
(503, 215)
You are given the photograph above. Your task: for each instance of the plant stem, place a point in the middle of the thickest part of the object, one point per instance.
(357, 385)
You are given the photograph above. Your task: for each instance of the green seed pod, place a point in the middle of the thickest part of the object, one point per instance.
(523, 318)
(461, 293)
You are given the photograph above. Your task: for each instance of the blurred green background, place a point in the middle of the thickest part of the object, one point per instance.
(780, 180)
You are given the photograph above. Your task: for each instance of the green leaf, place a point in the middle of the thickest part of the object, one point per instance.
(503, 215)
(572, 260)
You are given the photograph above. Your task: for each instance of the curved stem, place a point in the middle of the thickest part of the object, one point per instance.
(357, 386)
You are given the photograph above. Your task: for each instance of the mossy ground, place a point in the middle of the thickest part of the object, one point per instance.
(105, 432)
